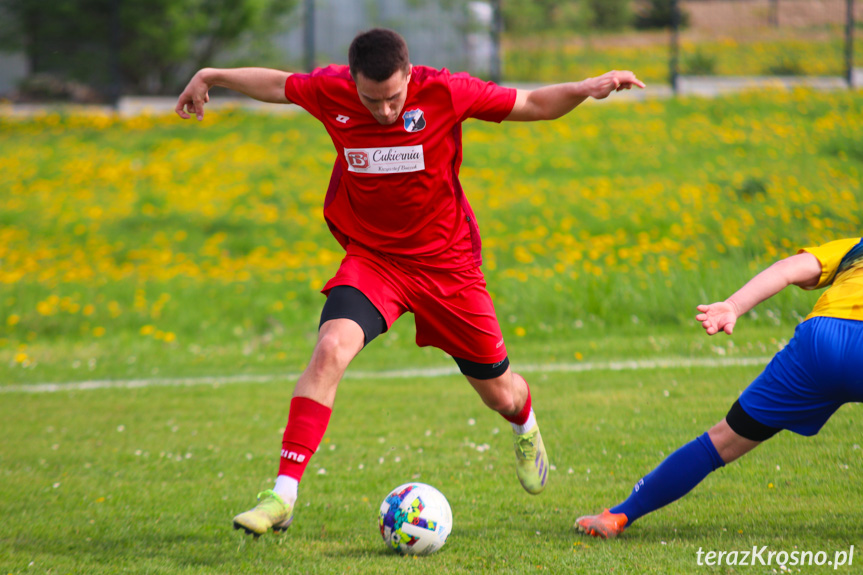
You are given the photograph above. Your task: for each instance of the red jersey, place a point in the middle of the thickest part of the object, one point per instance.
(395, 189)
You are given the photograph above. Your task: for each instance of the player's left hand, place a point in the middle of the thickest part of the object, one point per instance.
(614, 81)
(191, 101)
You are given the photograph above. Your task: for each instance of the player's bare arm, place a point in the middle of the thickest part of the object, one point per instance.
(803, 270)
(263, 84)
(556, 100)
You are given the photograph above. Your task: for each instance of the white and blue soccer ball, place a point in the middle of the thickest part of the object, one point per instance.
(415, 519)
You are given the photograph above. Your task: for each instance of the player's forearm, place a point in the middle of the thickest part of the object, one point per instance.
(761, 287)
(802, 269)
(264, 84)
(557, 100)
(548, 102)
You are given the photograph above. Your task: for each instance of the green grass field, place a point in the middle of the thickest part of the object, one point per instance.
(151, 253)
(146, 480)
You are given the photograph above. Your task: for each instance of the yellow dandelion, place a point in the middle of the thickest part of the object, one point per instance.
(44, 308)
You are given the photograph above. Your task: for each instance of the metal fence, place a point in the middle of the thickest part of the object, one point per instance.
(456, 37)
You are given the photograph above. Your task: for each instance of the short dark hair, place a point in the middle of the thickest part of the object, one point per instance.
(377, 54)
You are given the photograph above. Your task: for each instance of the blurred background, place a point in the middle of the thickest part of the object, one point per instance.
(116, 225)
(98, 51)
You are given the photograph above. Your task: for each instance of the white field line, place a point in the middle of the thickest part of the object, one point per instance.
(634, 365)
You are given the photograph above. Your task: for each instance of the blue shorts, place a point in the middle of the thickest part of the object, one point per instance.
(820, 369)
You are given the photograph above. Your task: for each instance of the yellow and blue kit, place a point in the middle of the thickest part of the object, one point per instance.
(821, 368)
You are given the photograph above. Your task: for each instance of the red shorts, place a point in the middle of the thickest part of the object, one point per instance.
(453, 310)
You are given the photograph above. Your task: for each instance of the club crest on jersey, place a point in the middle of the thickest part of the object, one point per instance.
(414, 120)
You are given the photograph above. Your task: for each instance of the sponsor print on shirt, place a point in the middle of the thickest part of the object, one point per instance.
(391, 160)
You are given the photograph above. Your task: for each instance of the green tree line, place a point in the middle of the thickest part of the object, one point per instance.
(131, 46)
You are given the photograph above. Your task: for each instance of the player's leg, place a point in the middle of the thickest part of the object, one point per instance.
(791, 393)
(454, 313)
(738, 434)
(348, 322)
(680, 472)
(509, 394)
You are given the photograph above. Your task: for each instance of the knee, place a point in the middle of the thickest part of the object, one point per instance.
(499, 397)
(501, 402)
(338, 347)
(729, 445)
(506, 394)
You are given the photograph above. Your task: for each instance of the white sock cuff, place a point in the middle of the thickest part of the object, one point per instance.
(286, 488)
(531, 421)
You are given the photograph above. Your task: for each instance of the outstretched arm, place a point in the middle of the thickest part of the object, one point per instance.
(556, 100)
(802, 270)
(262, 84)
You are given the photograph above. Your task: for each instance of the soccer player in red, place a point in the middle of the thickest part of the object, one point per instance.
(411, 240)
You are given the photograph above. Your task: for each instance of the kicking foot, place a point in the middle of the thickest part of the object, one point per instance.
(606, 525)
(271, 512)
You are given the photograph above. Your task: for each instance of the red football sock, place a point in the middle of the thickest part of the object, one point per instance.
(520, 418)
(307, 423)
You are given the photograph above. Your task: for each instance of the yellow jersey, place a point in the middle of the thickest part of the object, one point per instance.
(842, 274)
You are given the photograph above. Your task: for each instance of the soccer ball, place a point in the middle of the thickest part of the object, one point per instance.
(415, 519)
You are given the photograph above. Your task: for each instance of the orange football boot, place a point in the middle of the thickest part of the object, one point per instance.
(606, 525)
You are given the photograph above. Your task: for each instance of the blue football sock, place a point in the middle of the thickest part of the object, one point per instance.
(672, 479)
